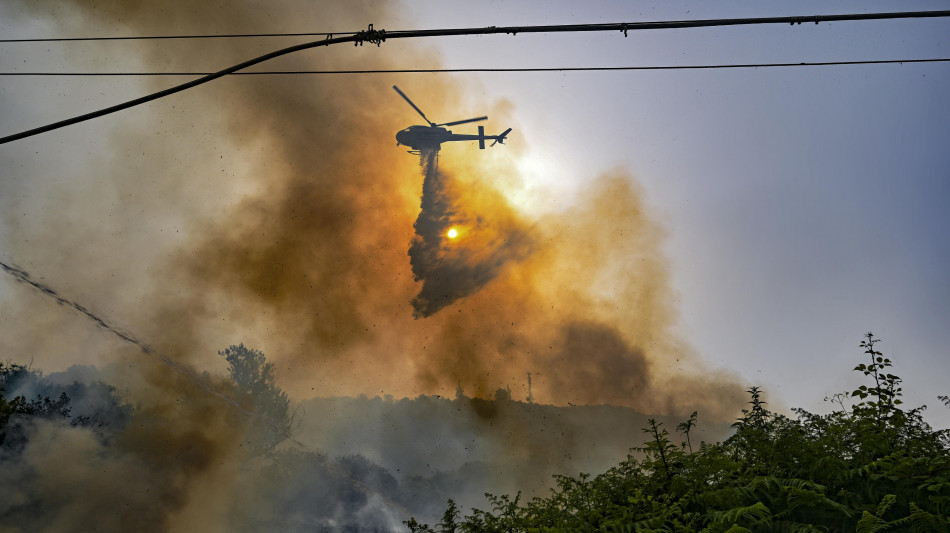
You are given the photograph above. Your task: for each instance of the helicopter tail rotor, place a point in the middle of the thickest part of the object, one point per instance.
(501, 137)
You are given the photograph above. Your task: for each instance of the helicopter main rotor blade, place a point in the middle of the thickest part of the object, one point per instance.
(463, 121)
(413, 105)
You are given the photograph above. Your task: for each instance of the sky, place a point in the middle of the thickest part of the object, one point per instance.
(783, 212)
(804, 206)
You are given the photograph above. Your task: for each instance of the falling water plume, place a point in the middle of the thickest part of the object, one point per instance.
(448, 268)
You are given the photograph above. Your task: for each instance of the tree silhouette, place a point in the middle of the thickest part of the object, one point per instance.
(254, 381)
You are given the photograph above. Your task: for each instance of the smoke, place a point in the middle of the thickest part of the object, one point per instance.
(116, 466)
(276, 211)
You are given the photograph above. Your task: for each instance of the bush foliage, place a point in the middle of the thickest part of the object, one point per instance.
(871, 467)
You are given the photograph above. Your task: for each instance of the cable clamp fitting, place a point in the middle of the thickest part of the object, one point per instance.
(370, 36)
(623, 28)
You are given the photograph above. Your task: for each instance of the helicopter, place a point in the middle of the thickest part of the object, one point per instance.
(430, 138)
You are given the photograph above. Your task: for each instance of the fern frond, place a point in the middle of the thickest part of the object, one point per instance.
(869, 523)
(756, 512)
(736, 528)
(886, 503)
(925, 522)
(789, 526)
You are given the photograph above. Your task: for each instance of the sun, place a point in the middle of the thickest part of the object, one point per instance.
(452, 233)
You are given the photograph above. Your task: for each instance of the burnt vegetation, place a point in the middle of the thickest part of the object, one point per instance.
(28, 397)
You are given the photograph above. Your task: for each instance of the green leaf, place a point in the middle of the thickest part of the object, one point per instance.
(736, 528)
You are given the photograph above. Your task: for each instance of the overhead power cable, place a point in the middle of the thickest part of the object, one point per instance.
(377, 37)
(496, 69)
(160, 37)
(594, 27)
